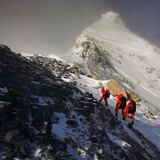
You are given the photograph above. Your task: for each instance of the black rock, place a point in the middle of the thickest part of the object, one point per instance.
(72, 123)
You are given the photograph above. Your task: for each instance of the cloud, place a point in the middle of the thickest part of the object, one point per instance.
(51, 26)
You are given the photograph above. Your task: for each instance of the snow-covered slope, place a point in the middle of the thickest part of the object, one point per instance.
(44, 117)
(148, 126)
(129, 56)
(82, 124)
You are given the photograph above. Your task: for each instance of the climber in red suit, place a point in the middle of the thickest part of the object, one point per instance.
(105, 95)
(130, 111)
(121, 104)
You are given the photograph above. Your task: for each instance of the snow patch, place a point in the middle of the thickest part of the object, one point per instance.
(3, 90)
(55, 57)
(59, 128)
(118, 141)
(37, 153)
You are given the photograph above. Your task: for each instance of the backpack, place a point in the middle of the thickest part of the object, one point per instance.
(107, 93)
(123, 101)
(132, 106)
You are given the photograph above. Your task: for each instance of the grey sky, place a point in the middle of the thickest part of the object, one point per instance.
(51, 26)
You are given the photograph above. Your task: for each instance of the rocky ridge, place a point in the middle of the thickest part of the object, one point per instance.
(44, 117)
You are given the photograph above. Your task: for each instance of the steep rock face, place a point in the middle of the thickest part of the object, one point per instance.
(112, 51)
(96, 58)
(29, 94)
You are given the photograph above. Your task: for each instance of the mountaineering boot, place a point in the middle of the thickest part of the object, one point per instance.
(130, 125)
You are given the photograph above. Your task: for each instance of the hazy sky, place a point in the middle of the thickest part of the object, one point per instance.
(51, 26)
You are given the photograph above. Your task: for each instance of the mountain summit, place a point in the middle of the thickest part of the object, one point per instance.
(119, 53)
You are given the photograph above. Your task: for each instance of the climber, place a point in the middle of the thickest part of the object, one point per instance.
(130, 112)
(121, 104)
(105, 95)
